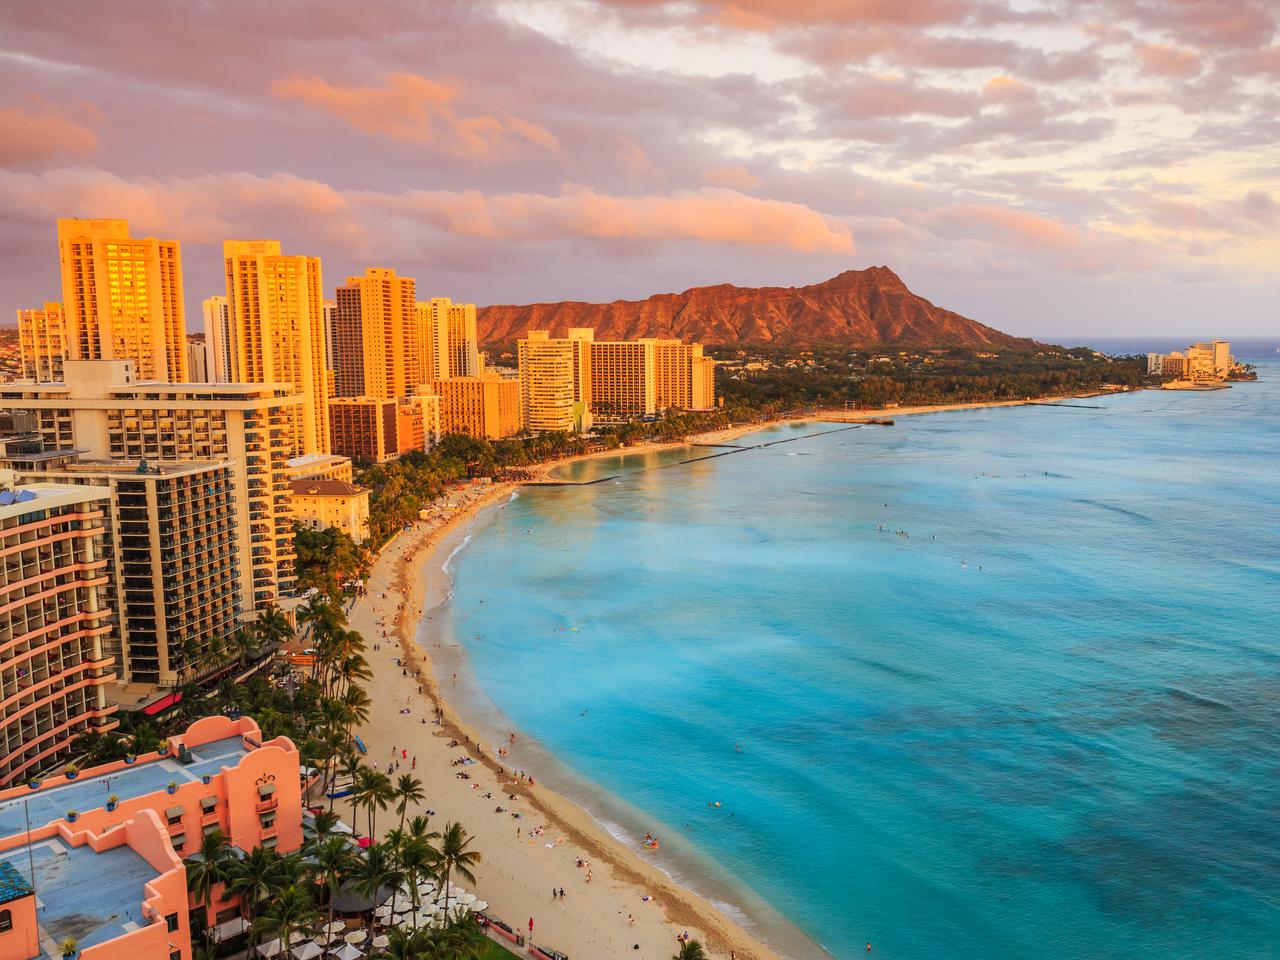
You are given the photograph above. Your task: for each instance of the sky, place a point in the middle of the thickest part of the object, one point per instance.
(1050, 167)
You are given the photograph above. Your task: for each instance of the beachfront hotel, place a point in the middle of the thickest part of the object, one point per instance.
(1199, 363)
(42, 342)
(486, 407)
(337, 504)
(123, 297)
(276, 325)
(555, 380)
(568, 381)
(54, 627)
(173, 566)
(102, 410)
(99, 857)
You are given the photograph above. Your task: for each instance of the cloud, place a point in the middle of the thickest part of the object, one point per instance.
(202, 209)
(736, 178)
(709, 215)
(1165, 60)
(36, 133)
(409, 108)
(209, 209)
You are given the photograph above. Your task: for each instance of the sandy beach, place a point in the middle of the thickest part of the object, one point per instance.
(617, 904)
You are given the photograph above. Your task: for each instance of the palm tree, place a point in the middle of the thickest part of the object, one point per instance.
(210, 867)
(272, 627)
(244, 644)
(417, 859)
(374, 792)
(334, 862)
(376, 872)
(404, 944)
(292, 912)
(254, 880)
(690, 950)
(419, 829)
(454, 856)
(408, 790)
(348, 768)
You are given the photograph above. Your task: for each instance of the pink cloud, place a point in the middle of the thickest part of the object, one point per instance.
(1165, 60)
(736, 178)
(712, 216)
(37, 133)
(202, 209)
(409, 108)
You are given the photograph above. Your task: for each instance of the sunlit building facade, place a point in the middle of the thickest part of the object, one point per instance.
(276, 321)
(217, 339)
(42, 342)
(123, 298)
(54, 627)
(486, 407)
(376, 336)
(103, 411)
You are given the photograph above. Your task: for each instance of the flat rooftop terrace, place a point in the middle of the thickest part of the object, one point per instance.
(93, 897)
(89, 792)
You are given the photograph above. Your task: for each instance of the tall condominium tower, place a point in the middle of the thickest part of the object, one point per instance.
(376, 337)
(52, 624)
(217, 339)
(447, 334)
(123, 298)
(276, 318)
(42, 341)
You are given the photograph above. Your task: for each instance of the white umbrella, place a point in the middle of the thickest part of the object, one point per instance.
(336, 927)
(380, 941)
(269, 949)
(306, 951)
(346, 952)
(355, 936)
(383, 911)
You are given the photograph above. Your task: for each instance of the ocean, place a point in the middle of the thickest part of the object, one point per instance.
(1001, 682)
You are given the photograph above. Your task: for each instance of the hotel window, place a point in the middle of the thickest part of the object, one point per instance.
(270, 842)
(6, 920)
(174, 815)
(208, 803)
(179, 840)
(172, 921)
(268, 820)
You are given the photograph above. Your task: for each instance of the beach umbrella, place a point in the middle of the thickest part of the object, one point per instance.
(346, 952)
(270, 948)
(355, 936)
(480, 905)
(380, 941)
(321, 939)
(306, 951)
(383, 912)
(337, 926)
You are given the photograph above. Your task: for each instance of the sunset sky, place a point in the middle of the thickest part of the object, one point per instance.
(1080, 167)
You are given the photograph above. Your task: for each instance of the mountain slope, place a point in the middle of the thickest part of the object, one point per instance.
(861, 308)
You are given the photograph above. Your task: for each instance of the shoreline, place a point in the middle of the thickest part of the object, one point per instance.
(412, 572)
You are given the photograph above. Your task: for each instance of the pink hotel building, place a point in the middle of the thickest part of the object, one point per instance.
(76, 862)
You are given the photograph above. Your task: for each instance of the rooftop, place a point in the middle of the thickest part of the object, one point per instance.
(90, 792)
(73, 899)
(37, 496)
(325, 488)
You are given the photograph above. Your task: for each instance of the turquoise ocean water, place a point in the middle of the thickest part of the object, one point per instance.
(1045, 724)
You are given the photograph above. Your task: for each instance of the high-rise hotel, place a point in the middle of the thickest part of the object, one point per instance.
(376, 334)
(276, 324)
(123, 298)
